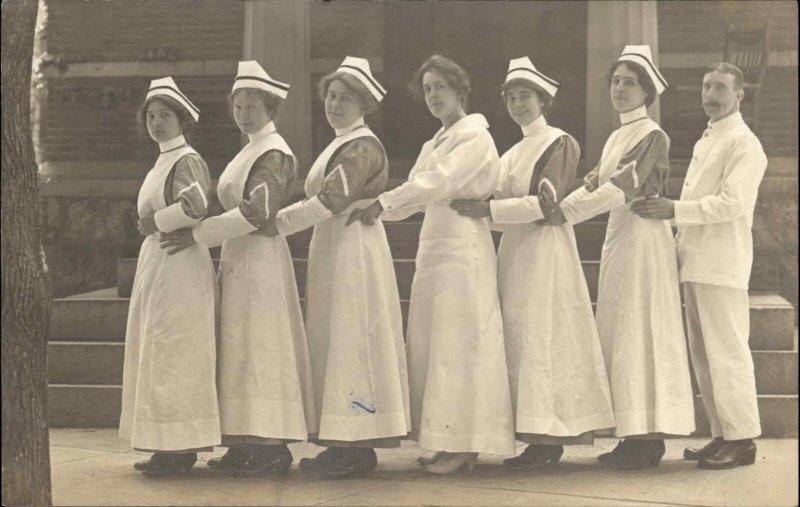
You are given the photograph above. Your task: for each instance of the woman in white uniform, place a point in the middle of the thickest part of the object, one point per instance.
(559, 385)
(169, 394)
(460, 398)
(638, 307)
(353, 320)
(264, 381)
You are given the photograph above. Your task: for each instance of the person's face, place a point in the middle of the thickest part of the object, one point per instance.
(626, 92)
(162, 122)
(442, 100)
(523, 104)
(720, 98)
(249, 112)
(342, 106)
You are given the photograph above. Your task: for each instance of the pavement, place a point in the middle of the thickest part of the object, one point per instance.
(94, 467)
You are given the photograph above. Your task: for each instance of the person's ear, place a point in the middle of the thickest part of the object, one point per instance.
(740, 94)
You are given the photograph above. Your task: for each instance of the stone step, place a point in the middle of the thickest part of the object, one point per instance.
(94, 362)
(98, 406)
(104, 319)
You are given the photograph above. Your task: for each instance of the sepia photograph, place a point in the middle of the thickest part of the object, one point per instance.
(399, 252)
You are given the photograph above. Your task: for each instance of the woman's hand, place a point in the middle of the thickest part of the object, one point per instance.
(656, 208)
(550, 208)
(177, 240)
(367, 216)
(147, 225)
(470, 208)
(269, 229)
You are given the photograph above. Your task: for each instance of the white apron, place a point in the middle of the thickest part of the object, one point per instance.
(639, 313)
(354, 325)
(169, 395)
(559, 385)
(459, 380)
(264, 380)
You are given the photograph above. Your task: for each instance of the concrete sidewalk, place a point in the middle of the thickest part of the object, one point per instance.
(94, 467)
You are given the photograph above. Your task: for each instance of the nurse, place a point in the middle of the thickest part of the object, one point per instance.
(460, 398)
(264, 382)
(353, 320)
(169, 394)
(638, 307)
(559, 386)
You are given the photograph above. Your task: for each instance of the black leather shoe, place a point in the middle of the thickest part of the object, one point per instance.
(269, 459)
(351, 462)
(619, 451)
(732, 453)
(143, 465)
(641, 454)
(536, 456)
(696, 454)
(230, 460)
(167, 464)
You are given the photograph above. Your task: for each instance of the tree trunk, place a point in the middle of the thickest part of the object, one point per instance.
(26, 291)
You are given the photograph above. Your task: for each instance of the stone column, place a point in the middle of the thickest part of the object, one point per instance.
(278, 36)
(610, 26)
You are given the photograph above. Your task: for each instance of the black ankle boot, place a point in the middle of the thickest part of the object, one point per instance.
(696, 454)
(642, 454)
(537, 456)
(166, 464)
(350, 462)
(230, 460)
(320, 461)
(618, 453)
(265, 460)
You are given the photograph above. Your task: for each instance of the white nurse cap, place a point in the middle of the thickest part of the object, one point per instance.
(252, 75)
(643, 56)
(522, 68)
(359, 68)
(166, 86)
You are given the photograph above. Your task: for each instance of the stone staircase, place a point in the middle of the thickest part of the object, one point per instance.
(87, 337)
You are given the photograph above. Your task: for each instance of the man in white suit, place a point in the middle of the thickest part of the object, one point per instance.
(714, 217)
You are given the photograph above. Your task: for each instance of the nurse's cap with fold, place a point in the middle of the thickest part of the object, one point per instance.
(522, 68)
(253, 75)
(166, 86)
(359, 68)
(643, 56)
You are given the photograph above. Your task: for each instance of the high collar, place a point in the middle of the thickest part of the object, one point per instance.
(266, 130)
(175, 142)
(534, 127)
(633, 115)
(358, 123)
(474, 120)
(725, 124)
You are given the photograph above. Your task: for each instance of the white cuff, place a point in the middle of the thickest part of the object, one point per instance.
(173, 218)
(521, 210)
(301, 215)
(215, 230)
(685, 213)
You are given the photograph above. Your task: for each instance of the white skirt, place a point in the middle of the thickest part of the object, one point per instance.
(265, 386)
(559, 385)
(460, 399)
(355, 333)
(641, 328)
(169, 394)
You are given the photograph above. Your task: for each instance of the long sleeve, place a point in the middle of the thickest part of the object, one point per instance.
(358, 171)
(556, 168)
(648, 166)
(737, 194)
(268, 183)
(470, 153)
(187, 193)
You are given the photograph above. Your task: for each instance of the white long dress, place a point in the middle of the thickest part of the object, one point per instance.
(169, 394)
(264, 380)
(353, 320)
(559, 385)
(460, 398)
(638, 307)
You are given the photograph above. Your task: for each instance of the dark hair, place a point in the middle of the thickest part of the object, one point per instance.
(544, 97)
(641, 75)
(455, 76)
(185, 119)
(271, 101)
(728, 68)
(367, 101)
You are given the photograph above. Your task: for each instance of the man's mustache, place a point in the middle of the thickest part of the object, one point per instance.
(712, 103)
